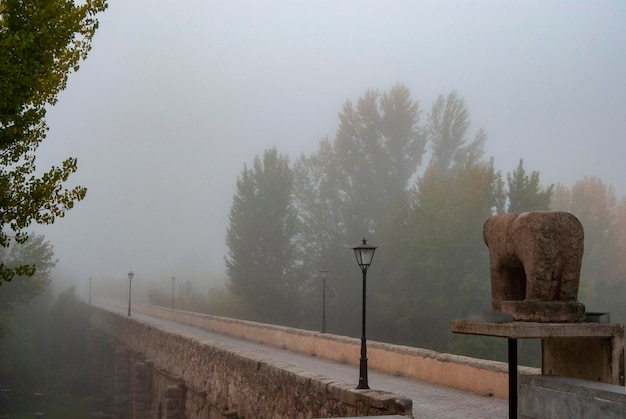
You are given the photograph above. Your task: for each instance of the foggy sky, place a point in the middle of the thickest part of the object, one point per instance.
(176, 96)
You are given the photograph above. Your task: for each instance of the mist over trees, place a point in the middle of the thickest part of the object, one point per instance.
(421, 189)
(261, 264)
(42, 337)
(35, 252)
(603, 216)
(525, 192)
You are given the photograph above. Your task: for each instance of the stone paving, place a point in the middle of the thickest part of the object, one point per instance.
(430, 401)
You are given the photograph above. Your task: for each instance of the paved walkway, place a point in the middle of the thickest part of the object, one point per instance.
(430, 401)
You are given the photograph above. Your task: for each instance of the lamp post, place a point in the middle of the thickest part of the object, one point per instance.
(130, 281)
(173, 280)
(89, 290)
(364, 254)
(324, 275)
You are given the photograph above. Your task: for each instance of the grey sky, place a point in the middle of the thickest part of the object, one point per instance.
(176, 96)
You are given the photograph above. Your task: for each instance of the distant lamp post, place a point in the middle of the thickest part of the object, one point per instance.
(130, 281)
(89, 290)
(324, 275)
(364, 254)
(173, 280)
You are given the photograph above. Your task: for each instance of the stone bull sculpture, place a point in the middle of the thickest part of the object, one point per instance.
(535, 260)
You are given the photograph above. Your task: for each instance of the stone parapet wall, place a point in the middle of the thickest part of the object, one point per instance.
(221, 382)
(553, 397)
(470, 374)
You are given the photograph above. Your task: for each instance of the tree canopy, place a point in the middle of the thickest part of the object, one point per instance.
(36, 252)
(41, 43)
(345, 190)
(426, 217)
(525, 192)
(447, 130)
(261, 260)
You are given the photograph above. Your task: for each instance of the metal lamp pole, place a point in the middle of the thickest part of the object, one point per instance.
(89, 290)
(324, 275)
(173, 280)
(364, 254)
(130, 281)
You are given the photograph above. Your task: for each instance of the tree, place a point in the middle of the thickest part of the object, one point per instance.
(448, 124)
(41, 42)
(610, 290)
(404, 140)
(316, 196)
(377, 149)
(442, 270)
(261, 261)
(34, 252)
(345, 191)
(321, 236)
(618, 248)
(603, 216)
(437, 260)
(595, 205)
(525, 193)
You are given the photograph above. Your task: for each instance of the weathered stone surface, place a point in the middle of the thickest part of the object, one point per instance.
(589, 351)
(535, 260)
(563, 397)
(467, 374)
(223, 382)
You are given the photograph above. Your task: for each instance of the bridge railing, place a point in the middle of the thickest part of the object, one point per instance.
(144, 368)
(487, 378)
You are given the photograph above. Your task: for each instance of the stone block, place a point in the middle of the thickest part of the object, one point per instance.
(535, 257)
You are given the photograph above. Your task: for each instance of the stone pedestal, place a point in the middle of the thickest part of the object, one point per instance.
(599, 359)
(589, 351)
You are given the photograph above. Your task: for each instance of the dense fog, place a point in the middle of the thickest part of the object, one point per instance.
(232, 150)
(173, 101)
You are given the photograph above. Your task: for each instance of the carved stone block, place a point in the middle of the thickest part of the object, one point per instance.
(535, 259)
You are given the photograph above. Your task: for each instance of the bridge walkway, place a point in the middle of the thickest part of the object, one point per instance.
(430, 401)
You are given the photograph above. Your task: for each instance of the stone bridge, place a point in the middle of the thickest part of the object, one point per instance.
(141, 370)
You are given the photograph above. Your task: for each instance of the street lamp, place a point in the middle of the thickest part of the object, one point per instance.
(173, 280)
(89, 290)
(364, 254)
(324, 275)
(130, 281)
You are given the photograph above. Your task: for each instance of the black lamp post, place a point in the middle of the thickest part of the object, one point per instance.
(324, 275)
(364, 254)
(89, 290)
(130, 281)
(173, 280)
